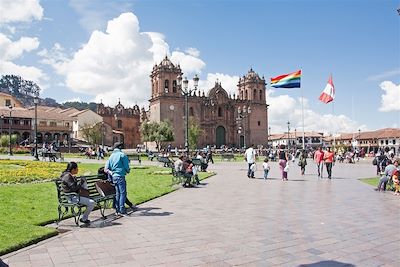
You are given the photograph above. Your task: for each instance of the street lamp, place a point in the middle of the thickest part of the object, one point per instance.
(359, 137)
(2, 122)
(36, 101)
(242, 114)
(187, 92)
(269, 134)
(288, 129)
(9, 131)
(102, 135)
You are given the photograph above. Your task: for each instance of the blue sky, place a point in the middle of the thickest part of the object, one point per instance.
(104, 50)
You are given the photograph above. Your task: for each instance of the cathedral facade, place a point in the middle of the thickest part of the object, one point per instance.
(224, 119)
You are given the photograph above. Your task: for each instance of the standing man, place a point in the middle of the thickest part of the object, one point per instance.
(118, 164)
(250, 157)
(329, 158)
(319, 160)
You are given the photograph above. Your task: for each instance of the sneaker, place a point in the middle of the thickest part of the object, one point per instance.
(124, 214)
(84, 221)
(133, 208)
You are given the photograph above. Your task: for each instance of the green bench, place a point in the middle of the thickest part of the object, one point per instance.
(227, 156)
(135, 157)
(65, 205)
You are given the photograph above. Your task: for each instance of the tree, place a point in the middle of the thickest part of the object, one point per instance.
(157, 132)
(92, 133)
(15, 85)
(194, 133)
(5, 140)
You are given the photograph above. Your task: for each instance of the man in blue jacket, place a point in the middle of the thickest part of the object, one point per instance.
(118, 164)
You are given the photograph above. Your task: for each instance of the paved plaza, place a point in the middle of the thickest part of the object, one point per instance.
(232, 220)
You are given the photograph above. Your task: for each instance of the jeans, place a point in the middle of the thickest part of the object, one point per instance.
(383, 181)
(89, 203)
(266, 174)
(320, 167)
(250, 173)
(120, 194)
(282, 165)
(329, 169)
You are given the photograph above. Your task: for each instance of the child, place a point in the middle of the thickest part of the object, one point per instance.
(396, 182)
(266, 168)
(252, 170)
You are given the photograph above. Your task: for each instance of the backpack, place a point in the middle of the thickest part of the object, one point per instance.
(375, 162)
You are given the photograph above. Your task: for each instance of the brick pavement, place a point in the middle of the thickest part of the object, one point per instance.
(233, 220)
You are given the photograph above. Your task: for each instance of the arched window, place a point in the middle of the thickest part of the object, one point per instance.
(119, 124)
(245, 96)
(191, 112)
(254, 94)
(241, 94)
(219, 112)
(260, 94)
(166, 86)
(174, 86)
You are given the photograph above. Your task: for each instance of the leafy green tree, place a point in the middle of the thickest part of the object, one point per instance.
(159, 133)
(194, 133)
(91, 133)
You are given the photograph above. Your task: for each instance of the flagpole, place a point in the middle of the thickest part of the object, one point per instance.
(333, 125)
(302, 114)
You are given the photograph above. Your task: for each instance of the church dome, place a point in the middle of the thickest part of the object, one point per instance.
(252, 75)
(217, 90)
(166, 63)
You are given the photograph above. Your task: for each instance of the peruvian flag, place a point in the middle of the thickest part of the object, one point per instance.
(329, 92)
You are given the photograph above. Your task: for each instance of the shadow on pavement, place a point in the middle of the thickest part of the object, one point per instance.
(2, 264)
(327, 264)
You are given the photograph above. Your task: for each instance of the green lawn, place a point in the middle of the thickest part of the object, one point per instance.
(371, 181)
(24, 207)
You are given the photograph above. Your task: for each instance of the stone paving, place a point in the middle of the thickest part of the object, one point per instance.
(232, 220)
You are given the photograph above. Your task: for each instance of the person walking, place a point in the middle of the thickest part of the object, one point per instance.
(303, 162)
(118, 164)
(266, 168)
(250, 157)
(319, 160)
(71, 184)
(283, 161)
(329, 158)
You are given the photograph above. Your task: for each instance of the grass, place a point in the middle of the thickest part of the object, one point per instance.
(26, 207)
(371, 181)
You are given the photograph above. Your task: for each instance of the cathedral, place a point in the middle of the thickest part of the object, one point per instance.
(233, 120)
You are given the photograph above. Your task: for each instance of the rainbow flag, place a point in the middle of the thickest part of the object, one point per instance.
(291, 80)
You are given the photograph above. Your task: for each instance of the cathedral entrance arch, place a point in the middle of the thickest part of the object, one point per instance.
(220, 134)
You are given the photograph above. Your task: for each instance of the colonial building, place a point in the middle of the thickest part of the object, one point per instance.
(295, 139)
(217, 113)
(124, 123)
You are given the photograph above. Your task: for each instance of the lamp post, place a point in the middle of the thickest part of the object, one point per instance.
(9, 131)
(2, 122)
(187, 92)
(102, 135)
(269, 134)
(243, 113)
(36, 101)
(359, 137)
(288, 129)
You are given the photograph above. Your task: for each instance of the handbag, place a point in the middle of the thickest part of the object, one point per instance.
(84, 192)
(105, 188)
(286, 169)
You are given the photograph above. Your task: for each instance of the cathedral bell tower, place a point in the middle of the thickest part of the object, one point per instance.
(164, 79)
(252, 87)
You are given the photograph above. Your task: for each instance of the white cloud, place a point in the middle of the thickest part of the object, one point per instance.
(391, 98)
(229, 83)
(284, 108)
(10, 50)
(95, 13)
(20, 11)
(117, 63)
(193, 51)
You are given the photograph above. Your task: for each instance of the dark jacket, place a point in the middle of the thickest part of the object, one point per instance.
(69, 183)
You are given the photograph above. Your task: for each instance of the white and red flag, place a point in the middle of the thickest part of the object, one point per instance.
(329, 92)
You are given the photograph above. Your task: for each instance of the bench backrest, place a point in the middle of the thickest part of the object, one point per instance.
(134, 156)
(91, 183)
(196, 162)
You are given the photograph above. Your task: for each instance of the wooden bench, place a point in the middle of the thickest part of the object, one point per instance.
(135, 157)
(64, 199)
(52, 156)
(227, 156)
